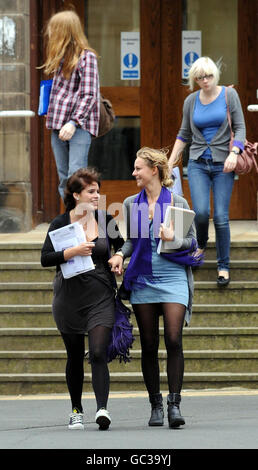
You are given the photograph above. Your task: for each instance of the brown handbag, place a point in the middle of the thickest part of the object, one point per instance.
(107, 116)
(246, 160)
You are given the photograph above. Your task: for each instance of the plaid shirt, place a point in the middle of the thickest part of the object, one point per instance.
(76, 99)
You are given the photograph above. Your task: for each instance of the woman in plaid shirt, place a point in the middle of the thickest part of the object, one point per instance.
(73, 112)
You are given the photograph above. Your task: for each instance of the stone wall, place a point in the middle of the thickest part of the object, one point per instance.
(15, 188)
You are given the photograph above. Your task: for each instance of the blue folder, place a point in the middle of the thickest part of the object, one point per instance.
(44, 94)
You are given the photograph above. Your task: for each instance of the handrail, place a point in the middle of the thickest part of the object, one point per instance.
(253, 108)
(19, 113)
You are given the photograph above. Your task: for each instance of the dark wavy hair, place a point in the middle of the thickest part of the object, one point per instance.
(77, 182)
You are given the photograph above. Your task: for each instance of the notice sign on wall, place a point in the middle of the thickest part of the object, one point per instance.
(130, 56)
(191, 49)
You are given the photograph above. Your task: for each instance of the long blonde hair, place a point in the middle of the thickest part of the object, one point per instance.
(157, 158)
(66, 40)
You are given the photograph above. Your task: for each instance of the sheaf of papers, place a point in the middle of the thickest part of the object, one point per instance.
(182, 219)
(67, 237)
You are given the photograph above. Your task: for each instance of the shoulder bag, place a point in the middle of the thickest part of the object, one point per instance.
(122, 332)
(246, 160)
(107, 116)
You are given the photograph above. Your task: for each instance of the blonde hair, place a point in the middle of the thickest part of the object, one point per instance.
(203, 66)
(159, 159)
(66, 40)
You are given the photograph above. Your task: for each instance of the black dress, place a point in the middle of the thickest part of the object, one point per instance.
(84, 301)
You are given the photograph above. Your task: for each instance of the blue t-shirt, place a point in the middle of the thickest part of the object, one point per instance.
(209, 117)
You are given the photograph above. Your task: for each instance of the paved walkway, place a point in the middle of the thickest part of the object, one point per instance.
(226, 419)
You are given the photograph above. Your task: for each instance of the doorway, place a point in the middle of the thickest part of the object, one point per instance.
(149, 110)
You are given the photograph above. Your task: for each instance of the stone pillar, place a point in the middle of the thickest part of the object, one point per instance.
(15, 187)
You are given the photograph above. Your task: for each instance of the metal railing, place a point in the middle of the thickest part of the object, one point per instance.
(28, 113)
(20, 113)
(253, 108)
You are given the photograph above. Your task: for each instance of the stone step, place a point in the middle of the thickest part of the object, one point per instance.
(244, 270)
(219, 346)
(31, 251)
(24, 316)
(240, 270)
(20, 251)
(226, 315)
(26, 293)
(30, 271)
(245, 292)
(25, 384)
(36, 362)
(194, 338)
(208, 315)
(242, 250)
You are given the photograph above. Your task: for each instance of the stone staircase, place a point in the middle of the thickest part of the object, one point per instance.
(220, 346)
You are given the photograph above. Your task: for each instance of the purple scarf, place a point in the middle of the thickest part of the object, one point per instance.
(140, 264)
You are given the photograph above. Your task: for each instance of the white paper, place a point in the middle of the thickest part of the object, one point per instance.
(182, 219)
(67, 237)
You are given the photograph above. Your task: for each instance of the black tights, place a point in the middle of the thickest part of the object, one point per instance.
(147, 316)
(98, 341)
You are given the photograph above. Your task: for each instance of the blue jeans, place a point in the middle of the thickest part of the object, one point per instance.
(204, 175)
(70, 155)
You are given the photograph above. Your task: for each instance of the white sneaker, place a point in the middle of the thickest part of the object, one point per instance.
(76, 420)
(103, 419)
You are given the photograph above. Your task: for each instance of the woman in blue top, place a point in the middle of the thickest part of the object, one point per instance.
(211, 165)
(160, 284)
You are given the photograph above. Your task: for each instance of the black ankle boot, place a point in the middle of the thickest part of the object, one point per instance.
(174, 416)
(157, 413)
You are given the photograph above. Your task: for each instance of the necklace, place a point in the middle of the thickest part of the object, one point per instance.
(151, 210)
(152, 202)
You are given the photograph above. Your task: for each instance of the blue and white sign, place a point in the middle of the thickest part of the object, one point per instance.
(191, 49)
(130, 56)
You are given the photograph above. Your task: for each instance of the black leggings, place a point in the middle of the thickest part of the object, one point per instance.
(75, 346)
(147, 316)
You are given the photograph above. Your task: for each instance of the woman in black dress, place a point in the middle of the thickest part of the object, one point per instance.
(84, 304)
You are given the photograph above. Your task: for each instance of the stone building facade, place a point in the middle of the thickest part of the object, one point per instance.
(15, 187)
(148, 112)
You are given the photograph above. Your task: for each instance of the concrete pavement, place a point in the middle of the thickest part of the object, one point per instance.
(224, 419)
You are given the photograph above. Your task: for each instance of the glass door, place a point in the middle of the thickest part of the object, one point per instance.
(227, 44)
(149, 110)
(114, 154)
(217, 20)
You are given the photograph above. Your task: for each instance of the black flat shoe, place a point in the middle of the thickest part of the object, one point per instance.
(222, 281)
